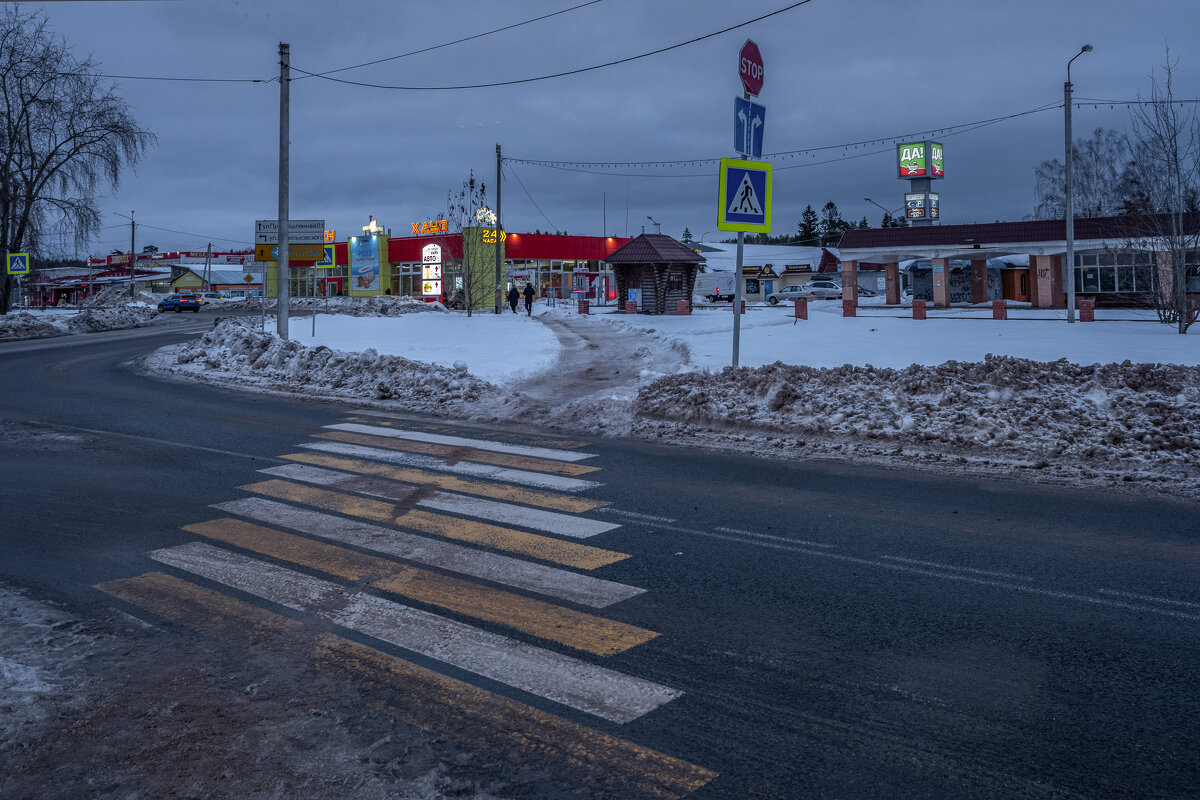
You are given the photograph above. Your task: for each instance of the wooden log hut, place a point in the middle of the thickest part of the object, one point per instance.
(662, 268)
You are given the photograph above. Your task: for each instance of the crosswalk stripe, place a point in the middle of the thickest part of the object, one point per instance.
(540, 480)
(421, 697)
(577, 629)
(564, 679)
(545, 521)
(461, 441)
(459, 453)
(451, 483)
(372, 417)
(495, 567)
(545, 548)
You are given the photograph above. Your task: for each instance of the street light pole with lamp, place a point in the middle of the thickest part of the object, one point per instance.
(886, 211)
(657, 226)
(1069, 200)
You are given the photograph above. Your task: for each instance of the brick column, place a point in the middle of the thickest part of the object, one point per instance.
(891, 277)
(941, 283)
(1041, 281)
(1058, 290)
(850, 280)
(979, 287)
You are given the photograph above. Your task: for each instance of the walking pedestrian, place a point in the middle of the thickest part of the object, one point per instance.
(529, 299)
(514, 297)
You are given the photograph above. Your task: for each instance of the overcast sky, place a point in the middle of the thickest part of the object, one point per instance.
(836, 71)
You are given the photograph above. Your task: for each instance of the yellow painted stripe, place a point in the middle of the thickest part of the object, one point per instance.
(450, 483)
(428, 700)
(540, 442)
(459, 453)
(571, 554)
(576, 629)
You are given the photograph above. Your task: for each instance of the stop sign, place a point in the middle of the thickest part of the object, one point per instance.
(750, 68)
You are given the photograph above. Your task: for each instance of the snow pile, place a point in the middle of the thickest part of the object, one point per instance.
(23, 325)
(118, 296)
(113, 318)
(374, 306)
(236, 352)
(1111, 418)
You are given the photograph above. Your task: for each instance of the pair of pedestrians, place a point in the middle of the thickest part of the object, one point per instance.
(514, 297)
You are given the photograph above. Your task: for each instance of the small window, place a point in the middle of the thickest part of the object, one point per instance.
(675, 282)
(1107, 259)
(1108, 279)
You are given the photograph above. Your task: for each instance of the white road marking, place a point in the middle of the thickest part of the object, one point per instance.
(494, 510)
(541, 480)
(948, 576)
(551, 453)
(787, 539)
(634, 515)
(551, 581)
(1149, 598)
(993, 573)
(564, 679)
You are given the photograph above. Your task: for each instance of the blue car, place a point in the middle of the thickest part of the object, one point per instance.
(179, 302)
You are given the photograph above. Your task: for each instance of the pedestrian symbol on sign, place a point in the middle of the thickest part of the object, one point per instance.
(17, 263)
(745, 201)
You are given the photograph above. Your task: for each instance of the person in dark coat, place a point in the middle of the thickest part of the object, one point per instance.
(513, 298)
(529, 299)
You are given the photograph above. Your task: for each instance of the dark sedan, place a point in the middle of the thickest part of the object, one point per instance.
(179, 302)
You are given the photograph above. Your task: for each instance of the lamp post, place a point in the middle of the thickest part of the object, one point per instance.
(1070, 189)
(657, 227)
(886, 211)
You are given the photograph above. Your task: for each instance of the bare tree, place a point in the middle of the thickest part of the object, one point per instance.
(466, 212)
(62, 135)
(1103, 178)
(1166, 138)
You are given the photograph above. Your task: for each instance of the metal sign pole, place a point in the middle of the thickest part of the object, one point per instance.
(737, 299)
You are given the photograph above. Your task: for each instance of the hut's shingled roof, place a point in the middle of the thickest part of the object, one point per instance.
(654, 248)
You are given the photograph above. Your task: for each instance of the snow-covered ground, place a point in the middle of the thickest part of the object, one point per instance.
(39, 324)
(958, 391)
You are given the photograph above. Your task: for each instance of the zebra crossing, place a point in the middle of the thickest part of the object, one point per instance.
(416, 537)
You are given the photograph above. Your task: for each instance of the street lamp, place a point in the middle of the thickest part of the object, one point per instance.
(886, 211)
(657, 227)
(1070, 187)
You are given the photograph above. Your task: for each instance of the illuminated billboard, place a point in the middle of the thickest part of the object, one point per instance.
(920, 160)
(936, 167)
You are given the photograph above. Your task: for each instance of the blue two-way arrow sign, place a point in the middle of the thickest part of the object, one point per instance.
(749, 120)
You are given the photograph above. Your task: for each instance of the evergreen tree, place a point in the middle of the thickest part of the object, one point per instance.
(863, 224)
(832, 226)
(808, 231)
(687, 237)
(887, 221)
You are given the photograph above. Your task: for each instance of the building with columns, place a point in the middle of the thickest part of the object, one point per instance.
(1113, 265)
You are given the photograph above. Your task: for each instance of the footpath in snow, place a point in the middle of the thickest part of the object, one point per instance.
(1114, 402)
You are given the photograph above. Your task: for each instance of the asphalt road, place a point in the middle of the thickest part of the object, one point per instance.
(834, 631)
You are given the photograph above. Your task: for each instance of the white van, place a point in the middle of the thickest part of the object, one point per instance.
(713, 286)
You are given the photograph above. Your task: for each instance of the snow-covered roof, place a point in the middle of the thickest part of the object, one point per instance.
(723, 257)
(226, 275)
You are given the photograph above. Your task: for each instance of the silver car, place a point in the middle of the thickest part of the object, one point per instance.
(813, 290)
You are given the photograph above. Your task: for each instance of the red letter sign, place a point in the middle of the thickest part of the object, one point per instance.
(750, 68)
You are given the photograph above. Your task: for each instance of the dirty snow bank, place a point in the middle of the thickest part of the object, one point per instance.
(23, 325)
(119, 296)
(236, 352)
(1126, 422)
(374, 306)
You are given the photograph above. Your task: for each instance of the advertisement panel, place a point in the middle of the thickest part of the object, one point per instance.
(910, 157)
(936, 168)
(914, 205)
(364, 265)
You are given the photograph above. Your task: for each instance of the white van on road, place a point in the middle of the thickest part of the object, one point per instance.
(713, 286)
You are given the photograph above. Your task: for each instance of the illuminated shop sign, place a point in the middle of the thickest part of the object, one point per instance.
(936, 169)
(432, 226)
(489, 235)
(431, 270)
(911, 157)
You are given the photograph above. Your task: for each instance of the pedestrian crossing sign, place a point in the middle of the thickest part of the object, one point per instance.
(18, 263)
(744, 199)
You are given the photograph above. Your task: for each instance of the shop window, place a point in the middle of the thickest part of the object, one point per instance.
(1143, 278)
(1107, 259)
(1108, 279)
(1125, 278)
(752, 286)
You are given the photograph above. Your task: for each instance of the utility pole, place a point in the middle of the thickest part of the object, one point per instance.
(1070, 190)
(132, 255)
(208, 268)
(282, 272)
(499, 240)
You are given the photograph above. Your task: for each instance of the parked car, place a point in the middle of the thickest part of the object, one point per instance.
(178, 302)
(813, 290)
(863, 292)
(714, 286)
(209, 297)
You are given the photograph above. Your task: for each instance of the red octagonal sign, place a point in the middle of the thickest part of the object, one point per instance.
(750, 68)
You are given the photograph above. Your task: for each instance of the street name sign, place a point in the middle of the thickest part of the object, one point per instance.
(17, 263)
(300, 231)
(749, 122)
(744, 197)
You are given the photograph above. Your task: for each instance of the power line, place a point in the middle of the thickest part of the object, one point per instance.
(556, 74)
(451, 43)
(513, 172)
(161, 78)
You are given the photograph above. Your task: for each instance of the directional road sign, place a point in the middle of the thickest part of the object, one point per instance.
(300, 231)
(296, 252)
(744, 199)
(18, 263)
(749, 121)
